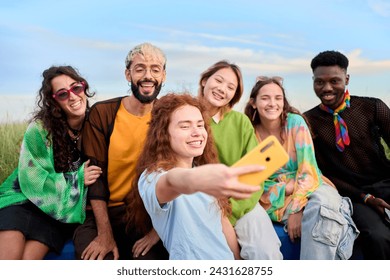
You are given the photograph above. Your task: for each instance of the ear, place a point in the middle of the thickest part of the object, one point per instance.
(128, 75)
(164, 76)
(346, 79)
(204, 80)
(252, 103)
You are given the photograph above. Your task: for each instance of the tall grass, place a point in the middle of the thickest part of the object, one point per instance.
(11, 136)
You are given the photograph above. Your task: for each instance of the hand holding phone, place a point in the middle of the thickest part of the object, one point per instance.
(269, 153)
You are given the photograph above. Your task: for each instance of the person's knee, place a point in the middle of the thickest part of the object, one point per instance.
(377, 237)
(325, 195)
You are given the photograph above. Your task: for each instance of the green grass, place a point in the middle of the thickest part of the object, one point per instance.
(11, 136)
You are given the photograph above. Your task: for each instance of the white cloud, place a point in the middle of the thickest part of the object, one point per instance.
(381, 7)
(362, 65)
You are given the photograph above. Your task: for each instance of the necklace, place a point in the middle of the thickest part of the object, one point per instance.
(74, 135)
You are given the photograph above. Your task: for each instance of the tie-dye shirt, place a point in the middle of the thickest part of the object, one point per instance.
(301, 170)
(62, 196)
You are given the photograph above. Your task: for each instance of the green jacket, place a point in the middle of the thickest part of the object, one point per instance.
(62, 196)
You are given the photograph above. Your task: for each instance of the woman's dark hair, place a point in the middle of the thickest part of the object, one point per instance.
(222, 64)
(53, 118)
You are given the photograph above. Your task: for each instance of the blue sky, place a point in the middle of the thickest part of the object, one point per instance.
(263, 37)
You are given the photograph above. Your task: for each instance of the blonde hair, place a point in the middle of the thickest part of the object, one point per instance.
(147, 50)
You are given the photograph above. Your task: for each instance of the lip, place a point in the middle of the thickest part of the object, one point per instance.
(328, 96)
(147, 87)
(217, 96)
(147, 84)
(195, 143)
(76, 105)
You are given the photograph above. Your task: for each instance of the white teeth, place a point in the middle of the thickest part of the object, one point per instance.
(217, 96)
(198, 143)
(75, 104)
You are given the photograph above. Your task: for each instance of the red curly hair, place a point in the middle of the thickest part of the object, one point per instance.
(158, 154)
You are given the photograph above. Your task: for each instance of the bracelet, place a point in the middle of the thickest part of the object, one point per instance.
(367, 196)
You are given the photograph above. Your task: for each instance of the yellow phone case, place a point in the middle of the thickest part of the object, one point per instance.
(269, 153)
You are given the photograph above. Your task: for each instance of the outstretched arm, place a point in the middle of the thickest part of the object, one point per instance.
(217, 180)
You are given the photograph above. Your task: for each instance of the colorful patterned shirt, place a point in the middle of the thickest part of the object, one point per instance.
(301, 171)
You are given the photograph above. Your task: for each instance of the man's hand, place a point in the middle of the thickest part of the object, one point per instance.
(378, 204)
(100, 247)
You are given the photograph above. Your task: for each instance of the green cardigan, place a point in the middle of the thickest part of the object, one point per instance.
(62, 196)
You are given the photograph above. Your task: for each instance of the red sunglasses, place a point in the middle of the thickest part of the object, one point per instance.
(64, 94)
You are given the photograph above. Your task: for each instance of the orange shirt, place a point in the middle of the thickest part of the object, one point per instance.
(126, 143)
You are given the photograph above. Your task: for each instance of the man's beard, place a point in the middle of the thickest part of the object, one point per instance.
(142, 98)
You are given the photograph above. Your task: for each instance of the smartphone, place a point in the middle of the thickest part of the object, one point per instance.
(269, 153)
(387, 215)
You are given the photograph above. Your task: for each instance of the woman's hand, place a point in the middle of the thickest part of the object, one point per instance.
(143, 245)
(220, 180)
(91, 173)
(294, 223)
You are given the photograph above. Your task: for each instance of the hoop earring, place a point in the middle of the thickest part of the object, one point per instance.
(254, 115)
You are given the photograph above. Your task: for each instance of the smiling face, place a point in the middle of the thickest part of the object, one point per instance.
(220, 88)
(75, 106)
(187, 133)
(146, 75)
(329, 84)
(269, 102)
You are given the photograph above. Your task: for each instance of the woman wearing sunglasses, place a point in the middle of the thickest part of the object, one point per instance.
(298, 195)
(44, 198)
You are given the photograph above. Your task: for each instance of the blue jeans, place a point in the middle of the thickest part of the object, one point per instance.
(328, 231)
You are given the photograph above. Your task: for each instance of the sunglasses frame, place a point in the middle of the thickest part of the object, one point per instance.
(68, 91)
(266, 78)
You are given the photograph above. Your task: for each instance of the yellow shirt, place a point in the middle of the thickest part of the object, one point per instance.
(126, 143)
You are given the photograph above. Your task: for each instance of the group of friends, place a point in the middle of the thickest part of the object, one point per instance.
(148, 177)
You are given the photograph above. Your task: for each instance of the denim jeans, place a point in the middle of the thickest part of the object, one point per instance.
(257, 236)
(328, 231)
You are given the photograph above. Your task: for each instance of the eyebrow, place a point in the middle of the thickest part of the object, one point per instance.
(268, 95)
(230, 83)
(145, 65)
(189, 121)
